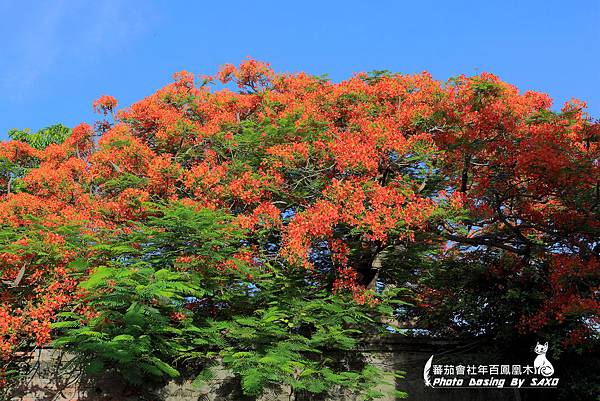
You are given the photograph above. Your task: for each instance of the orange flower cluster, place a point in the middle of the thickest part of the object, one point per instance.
(105, 104)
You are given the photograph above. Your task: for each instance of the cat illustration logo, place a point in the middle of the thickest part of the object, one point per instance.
(541, 364)
(469, 375)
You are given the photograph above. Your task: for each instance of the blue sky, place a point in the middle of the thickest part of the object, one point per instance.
(56, 57)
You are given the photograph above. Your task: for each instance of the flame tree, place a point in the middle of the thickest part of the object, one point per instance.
(271, 224)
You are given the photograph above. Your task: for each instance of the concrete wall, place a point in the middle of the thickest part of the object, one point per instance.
(50, 378)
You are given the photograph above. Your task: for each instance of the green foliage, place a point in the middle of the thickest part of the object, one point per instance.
(122, 182)
(300, 337)
(149, 314)
(11, 172)
(377, 75)
(41, 139)
(138, 298)
(133, 328)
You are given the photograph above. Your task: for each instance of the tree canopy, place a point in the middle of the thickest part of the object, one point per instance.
(269, 221)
